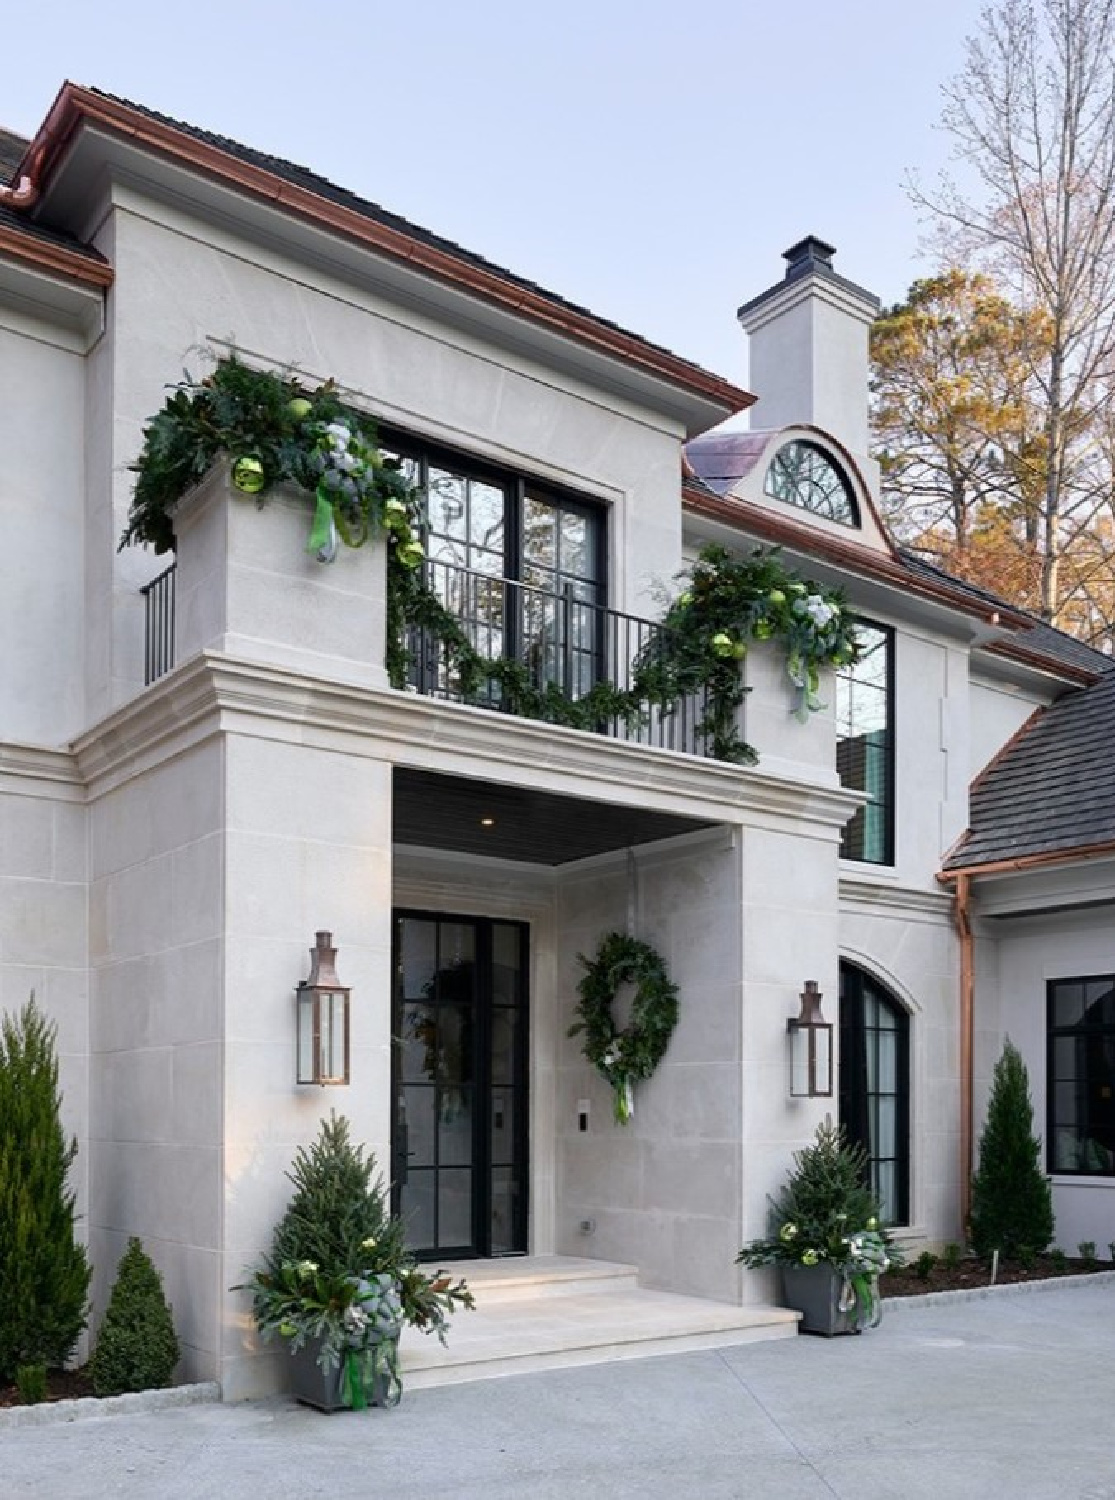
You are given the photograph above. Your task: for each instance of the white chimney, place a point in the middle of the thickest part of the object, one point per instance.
(809, 348)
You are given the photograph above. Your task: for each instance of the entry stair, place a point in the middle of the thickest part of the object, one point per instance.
(547, 1312)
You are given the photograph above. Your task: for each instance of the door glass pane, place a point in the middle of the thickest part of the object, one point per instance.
(456, 949)
(419, 1106)
(539, 534)
(503, 1211)
(503, 1127)
(1068, 1004)
(417, 1200)
(504, 1037)
(418, 956)
(418, 1047)
(506, 989)
(454, 1201)
(454, 1133)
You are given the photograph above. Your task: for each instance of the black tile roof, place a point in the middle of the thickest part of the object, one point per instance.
(1052, 788)
(1040, 637)
(12, 147)
(313, 182)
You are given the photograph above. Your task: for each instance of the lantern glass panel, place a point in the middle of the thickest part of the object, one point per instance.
(305, 1035)
(822, 1060)
(332, 1037)
(799, 1062)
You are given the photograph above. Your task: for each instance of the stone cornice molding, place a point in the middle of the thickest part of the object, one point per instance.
(35, 771)
(889, 899)
(214, 693)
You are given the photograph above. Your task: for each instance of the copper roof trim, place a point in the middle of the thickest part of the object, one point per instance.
(75, 105)
(1015, 651)
(44, 255)
(1029, 861)
(780, 531)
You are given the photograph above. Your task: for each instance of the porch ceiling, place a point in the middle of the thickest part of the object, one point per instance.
(534, 827)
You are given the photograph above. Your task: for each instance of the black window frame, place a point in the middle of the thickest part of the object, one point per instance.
(853, 1089)
(888, 804)
(1084, 1032)
(516, 484)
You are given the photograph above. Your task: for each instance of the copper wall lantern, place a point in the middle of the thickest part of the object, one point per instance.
(321, 1003)
(810, 1048)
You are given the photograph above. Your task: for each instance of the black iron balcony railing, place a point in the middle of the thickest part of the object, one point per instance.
(563, 643)
(158, 632)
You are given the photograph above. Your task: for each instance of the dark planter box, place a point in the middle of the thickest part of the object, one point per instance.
(814, 1291)
(321, 1388)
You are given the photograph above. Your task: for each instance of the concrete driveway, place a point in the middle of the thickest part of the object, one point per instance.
(1004, 1398)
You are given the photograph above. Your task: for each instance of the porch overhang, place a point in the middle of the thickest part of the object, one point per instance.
(526, 824)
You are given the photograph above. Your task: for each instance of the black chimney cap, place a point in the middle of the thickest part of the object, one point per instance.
(809, 254)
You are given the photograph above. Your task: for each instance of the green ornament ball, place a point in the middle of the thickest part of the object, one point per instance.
(248, 475)
(300, 408)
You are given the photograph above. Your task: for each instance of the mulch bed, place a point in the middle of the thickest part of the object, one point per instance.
(970, 1274)
(61, 1385)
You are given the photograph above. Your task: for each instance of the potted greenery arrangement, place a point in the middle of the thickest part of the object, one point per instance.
(339, 1284)
(826, 1238)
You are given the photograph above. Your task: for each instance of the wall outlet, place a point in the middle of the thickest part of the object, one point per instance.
(588, 1226)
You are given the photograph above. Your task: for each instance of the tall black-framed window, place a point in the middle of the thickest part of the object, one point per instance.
(865, 745)
(875, 1086)
(1080, 1078)
(520, 562)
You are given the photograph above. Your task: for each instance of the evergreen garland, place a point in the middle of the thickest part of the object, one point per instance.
(1012, 1205)
(276, 430)
(44, 1273)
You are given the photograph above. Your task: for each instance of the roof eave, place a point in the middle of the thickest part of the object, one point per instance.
(75, 106)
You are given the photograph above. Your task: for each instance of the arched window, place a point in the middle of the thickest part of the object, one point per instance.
(804, 475)
(875, 1086)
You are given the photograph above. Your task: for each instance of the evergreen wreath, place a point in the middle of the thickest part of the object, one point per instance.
(625, 1057)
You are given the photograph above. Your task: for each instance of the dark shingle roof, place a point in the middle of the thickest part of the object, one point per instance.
(1052, 788)
(1040, 637)
(314, 183)
(12, 147)
(27, 229)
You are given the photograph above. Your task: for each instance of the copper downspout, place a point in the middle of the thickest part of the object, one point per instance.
(963, 917)
(24, 195)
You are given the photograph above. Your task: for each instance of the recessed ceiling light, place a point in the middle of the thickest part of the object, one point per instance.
(487, 822)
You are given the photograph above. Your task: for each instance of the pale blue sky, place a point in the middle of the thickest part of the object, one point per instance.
(651, 161)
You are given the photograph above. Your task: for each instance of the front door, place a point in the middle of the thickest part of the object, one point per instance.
(459, 1084)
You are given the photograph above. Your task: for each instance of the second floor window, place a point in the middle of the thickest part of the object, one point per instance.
(521, 565)
(865, 745)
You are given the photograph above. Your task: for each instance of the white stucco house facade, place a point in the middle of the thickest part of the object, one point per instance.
(181, 814)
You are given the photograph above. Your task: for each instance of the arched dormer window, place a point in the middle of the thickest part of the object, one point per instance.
(804, 475)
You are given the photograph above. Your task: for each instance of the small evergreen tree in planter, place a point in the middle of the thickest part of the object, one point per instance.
(1012, 1206)
(44, 1273)
(137, 1348)
(339, 1282)
(826, 1237)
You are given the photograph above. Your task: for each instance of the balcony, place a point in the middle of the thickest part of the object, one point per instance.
(549, 650)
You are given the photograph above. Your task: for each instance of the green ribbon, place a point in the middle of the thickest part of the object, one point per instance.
(352, 1381)
(322, 528)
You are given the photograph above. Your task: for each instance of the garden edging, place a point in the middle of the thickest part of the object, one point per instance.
(972, 1294)
(86, 1408)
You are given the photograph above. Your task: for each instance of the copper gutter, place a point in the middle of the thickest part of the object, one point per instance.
(29, 174)
(1039, 861)
(1013, 651)
(76, 106)
(56, 258)
(963, 918)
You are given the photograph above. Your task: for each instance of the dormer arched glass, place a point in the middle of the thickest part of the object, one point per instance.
(804, 475)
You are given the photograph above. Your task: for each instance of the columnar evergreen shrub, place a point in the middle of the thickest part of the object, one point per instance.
(44, 1273)
(137, 1348)
(1012, 1206)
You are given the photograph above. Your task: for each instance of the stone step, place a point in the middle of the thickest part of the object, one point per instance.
(515, 1277)
(515, 1335)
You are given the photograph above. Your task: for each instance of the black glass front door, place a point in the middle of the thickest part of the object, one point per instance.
(459, 1143)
